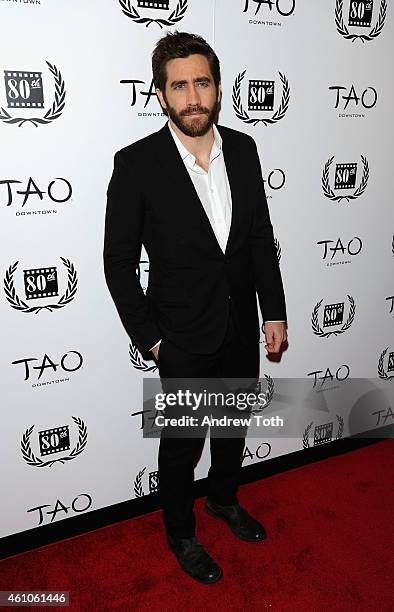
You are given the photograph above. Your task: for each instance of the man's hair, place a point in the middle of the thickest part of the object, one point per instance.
(180, 45)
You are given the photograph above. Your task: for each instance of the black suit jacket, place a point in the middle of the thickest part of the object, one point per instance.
(152, 201)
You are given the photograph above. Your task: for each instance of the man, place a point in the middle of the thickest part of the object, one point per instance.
(193, 194)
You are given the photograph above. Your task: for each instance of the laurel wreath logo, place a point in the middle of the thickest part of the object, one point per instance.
(138, 490)
(137, 361)
(243, 115)
(315, 320)
(268, 395)
(18, 304)
(342, 29)
(305, 439)
(381, 371)
(329, 193)
(278, 249)
(53, 113)
(177, 14)
(30, 457)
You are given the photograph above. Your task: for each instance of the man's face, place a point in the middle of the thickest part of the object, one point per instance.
(190, 95)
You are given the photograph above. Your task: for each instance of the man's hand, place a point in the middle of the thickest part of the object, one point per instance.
(155, 351)
(275, 335)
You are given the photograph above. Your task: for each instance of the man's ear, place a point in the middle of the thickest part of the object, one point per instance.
(161, 98)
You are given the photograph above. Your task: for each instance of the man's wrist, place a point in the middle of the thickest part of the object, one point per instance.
(279, 321)
(155, 345)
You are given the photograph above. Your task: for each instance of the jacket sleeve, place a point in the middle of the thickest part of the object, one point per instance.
(267, 274)
(124, 222)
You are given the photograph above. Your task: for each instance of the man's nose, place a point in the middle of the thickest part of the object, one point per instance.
(193, 96)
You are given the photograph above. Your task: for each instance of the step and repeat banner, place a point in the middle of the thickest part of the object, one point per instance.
(310, 81)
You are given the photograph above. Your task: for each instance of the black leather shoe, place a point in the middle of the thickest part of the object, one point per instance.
(194, 559)
(239, 520)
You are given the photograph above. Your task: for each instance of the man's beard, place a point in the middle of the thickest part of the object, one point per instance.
(198, 125)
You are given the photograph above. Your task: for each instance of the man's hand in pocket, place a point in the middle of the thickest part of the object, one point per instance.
(155, 350)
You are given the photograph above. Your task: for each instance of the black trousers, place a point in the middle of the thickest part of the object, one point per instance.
(179, 456)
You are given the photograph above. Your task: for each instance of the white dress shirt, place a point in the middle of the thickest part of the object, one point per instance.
(212, 187)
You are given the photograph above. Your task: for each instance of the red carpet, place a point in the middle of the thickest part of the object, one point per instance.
(329, 547)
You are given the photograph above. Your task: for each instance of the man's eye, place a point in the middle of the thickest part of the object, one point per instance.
(179, 86)
(203, 84)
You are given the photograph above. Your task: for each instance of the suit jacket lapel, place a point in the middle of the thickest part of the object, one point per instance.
(168, 157)
(234, 173)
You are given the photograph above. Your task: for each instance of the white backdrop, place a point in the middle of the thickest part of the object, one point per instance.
(69, 370)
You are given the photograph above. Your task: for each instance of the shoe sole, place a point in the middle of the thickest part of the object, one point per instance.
(219, 516)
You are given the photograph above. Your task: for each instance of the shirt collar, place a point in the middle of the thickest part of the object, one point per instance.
(189, 157)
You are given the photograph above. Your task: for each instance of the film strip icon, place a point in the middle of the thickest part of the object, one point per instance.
(54, 440)
(323, 433)
(261, 95)
(40, 283)
(24, 89)
(156, 4)
(345, 176)
(333, 314)
(360, 13)
(154, 482)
